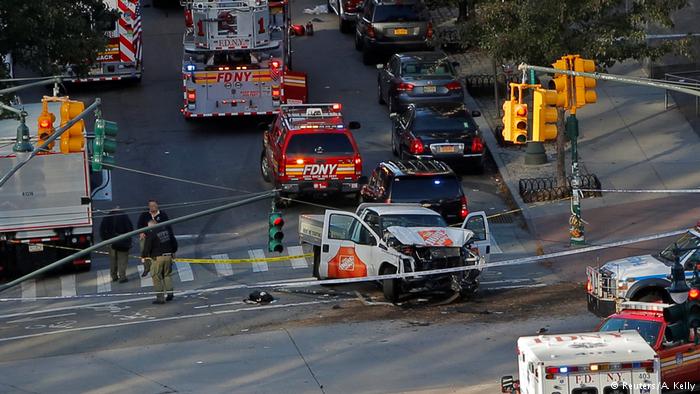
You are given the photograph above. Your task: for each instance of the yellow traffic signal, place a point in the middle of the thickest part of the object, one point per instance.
(519, 131)
(72, 140)
(584, 86)
(507, 120)
(544, 115)
(515, 115)
(561, 83)
(45, 126)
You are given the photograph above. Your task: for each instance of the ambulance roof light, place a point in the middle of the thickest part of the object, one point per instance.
(337, 107)
(190, 67)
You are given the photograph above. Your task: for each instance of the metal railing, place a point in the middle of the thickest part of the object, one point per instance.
(685, 77)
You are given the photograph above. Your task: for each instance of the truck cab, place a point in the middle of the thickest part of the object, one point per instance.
(680, 362)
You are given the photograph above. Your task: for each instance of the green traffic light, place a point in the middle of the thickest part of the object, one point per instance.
(275, 234)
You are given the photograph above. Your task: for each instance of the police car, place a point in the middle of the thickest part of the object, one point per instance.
(310, 151)
(639, 278)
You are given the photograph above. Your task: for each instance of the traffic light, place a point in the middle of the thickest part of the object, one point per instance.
(105, 144)
(693, 309)
(561, 83)
(676, 323)
(274, 243)
(585, 94)
(515, 115)
(544, 115)
(72, 140)
(45, 126)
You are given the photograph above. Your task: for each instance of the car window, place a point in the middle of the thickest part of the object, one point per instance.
(340, 226)
(416, 69)
(649, 330)
(478, 227)
(372, 219)
(399, 13)
(421, 188)
(411, 221)
(446, 122)
(319, 144)
(688, 240)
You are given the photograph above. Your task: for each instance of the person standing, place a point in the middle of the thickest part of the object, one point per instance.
(117, 223)
(153, 213)
(160, 246)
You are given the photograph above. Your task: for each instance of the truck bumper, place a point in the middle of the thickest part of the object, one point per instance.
(600, 307)
(320, 187)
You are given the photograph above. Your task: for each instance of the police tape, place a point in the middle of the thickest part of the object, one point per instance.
(661, 191)
(376, 278)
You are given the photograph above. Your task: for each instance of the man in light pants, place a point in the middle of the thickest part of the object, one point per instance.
(153, 213)
(160, 247)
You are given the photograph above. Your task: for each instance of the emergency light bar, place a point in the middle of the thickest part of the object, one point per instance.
(313, 111)
(644, 306)
(567, 369)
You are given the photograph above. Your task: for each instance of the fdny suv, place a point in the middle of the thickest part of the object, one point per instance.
(308, 150)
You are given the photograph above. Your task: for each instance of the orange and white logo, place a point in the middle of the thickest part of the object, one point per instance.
(435, 237)
(347, 263)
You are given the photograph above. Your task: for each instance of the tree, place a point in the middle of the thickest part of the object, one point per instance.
(541, 31)
(45, 36)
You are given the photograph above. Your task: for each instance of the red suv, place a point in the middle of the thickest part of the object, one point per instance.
(309, 151)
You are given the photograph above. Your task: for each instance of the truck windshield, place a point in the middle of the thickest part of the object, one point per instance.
(412, 221)
(319, 144)
(688, 240)
(649, 330)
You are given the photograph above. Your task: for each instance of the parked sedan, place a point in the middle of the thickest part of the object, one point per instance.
(444, 132)
(418, 78)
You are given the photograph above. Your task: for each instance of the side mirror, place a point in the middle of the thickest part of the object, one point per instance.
(455, 64)
(262, 126)
(354, 125)
(363, 180)
(476, 114)
(393, 116)
(380, 66)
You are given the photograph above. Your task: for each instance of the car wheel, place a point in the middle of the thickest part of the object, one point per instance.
(391, 287)
(264, 167)
(367, 57)
(393, 144)
(380, 99)
(358, 43)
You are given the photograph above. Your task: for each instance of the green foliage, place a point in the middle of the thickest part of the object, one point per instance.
(541, 31)
(47, 35)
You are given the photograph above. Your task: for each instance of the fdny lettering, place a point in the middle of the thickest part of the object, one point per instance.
(614, 376)
(586, 379)
(571, 338)
(320, 169)
(232, 42)
(243, 76)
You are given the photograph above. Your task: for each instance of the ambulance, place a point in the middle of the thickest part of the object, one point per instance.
(237, 59)
(619, 362)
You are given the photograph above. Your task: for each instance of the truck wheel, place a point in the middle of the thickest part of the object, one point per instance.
(264, 167)
(317, 262)
(391, 287)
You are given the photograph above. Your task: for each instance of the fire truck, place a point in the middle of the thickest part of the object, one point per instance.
(122, 57)
(46, 205)
(237, 59)
(680, 362)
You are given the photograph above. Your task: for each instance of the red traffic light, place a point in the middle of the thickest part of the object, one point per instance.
(278, 222)
(521, 111)
(694, 295)
(44, 123)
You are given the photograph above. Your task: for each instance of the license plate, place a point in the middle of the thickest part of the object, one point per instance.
(429, 89)
(447, 149)
(36, 248)
(400, 32)
(320, 185)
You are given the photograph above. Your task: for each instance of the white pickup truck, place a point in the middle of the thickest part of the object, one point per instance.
(382, 239)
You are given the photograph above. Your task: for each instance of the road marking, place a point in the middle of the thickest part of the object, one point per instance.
(495, 249)
(104, 281)
(29, 289)
(184, 271)
(297, 263)
(68, 285)
(215, 305)
(170, 318)
(148, 280)
(258, 254)
(222, 269)
(29, 319)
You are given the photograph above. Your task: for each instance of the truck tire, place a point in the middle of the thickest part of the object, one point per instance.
(391, 287)
(264, 167)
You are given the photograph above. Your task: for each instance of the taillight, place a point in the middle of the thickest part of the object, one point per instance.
(188, 18)
(358, 165)
(477, 145)
(454, 85)
(191, 95)
(463, 212)
(370, 32)
(200, 28)
(275, 64)
(429, 32)
(404, 87)
(416, 147)
(589, 286)
(276, 93)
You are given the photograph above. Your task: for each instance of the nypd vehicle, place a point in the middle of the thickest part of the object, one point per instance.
(639, 278)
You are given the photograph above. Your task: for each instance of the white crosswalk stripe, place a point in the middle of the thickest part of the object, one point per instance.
(68, 285)
(222, 269)
(259, 266)
(297, 263)
(184, 271)
(104, 281)
(29, 289)
(148, 280)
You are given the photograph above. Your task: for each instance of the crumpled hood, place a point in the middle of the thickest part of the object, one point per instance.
(636, 266)
(431, 236)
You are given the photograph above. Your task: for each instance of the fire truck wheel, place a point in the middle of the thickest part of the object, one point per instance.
(390, 287)
(264, 168)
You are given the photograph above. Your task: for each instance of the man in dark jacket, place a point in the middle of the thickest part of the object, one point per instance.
(114, 224)
(153, 213)
(160, 246)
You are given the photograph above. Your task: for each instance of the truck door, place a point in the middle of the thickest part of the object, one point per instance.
(347, 246)
(679, 363)
(479, 224)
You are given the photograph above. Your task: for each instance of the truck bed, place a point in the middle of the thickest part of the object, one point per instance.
(311, 229)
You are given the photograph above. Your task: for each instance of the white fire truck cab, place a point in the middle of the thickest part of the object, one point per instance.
(237, 59)
(619, 362)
